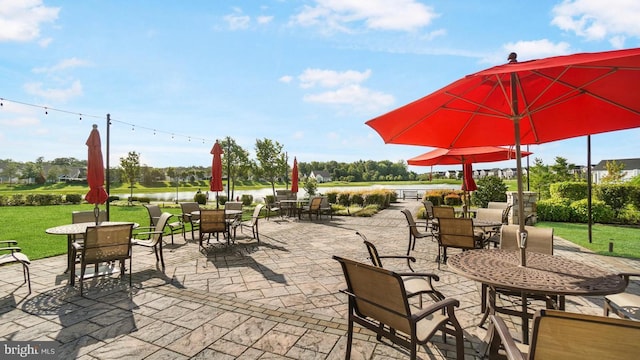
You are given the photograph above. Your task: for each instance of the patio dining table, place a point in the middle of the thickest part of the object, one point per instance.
(72, 230)
(544, 275)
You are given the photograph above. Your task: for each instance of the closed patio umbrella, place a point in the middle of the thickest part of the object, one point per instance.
(95, 172)
(530, 102)
(294, 176)
(216, 170)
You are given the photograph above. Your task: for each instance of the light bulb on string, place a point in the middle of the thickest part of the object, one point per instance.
(171, 136)
(154, 132)
(80, 117)
(189, 138)
(46, 111)
(133, 128)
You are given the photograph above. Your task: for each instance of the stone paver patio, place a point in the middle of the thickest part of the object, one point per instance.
(278, 300)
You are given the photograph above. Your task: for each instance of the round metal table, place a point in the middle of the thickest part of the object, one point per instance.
(543, 275)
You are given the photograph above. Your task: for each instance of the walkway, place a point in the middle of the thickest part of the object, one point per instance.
(279, 300)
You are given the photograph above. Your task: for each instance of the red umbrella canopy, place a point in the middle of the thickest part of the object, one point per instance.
(216, 168)
(469, 155)
(468, 184)
(95, 169)
(552, 99)
(294, 176)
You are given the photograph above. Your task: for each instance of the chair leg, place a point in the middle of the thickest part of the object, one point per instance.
(161, 256)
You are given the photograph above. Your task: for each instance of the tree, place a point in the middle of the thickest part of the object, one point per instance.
(271, 158)
(235, 162)
(490, 188)
(614, 172)
(540, 178)
(562, 170)
(131, 169)
(10, 170)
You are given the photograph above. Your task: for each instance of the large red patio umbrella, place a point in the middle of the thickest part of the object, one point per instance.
(529, 102)
(95, 172)
(294, 176)
(465, 156)
(216, 170)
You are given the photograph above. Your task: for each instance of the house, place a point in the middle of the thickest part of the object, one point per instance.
(630, 170)
(320, 176)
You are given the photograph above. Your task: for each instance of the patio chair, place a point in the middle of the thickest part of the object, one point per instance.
(154, 215)
(103, 244)
(539, 240)
(378, 301)
(213, 222)
(491, 215)
(272, 206)
(152, 236)
(456, 233)
(10, 253)
(440, 212)
(428, 214)
(625, 305)
(414, 233)
(85, 217)
(325, 207)
(188, 218)
(312, 208)
(253, 223)
(415, 283)
(560, 335)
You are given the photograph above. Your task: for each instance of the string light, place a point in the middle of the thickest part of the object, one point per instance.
(111, 122)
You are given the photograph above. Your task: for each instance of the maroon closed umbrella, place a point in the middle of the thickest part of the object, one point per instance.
(95, 172)
(216, 170)
(294, 176)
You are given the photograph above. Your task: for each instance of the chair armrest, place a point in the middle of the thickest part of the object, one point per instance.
(449, 304)
(427, 275)
(500, 329)
(11, 249)
(147, 233)
(410, 258)
(9, 242)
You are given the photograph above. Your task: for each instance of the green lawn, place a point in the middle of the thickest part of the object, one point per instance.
(625, 239)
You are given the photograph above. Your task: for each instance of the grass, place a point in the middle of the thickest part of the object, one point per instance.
(625, 239)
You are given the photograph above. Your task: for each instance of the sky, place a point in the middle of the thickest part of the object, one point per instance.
(177, 75)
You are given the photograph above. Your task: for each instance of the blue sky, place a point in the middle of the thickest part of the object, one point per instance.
(177, 75)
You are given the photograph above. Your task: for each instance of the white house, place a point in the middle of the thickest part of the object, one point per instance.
(320, 176)
(630, 170)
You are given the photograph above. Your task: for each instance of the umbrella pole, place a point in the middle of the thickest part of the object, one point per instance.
(96, 213)
(522, 233)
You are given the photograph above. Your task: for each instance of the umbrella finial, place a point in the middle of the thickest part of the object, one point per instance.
(95, 126)
(513, 58)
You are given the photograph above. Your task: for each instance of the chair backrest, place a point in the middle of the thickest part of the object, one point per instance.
(539, 240)
(373, 252)
(233, 205)
(159, 226)
(567, 336)
(443, 212)
(410, 221)
(87, 216)
(187, 208)
(379, 294)
(324, 203)
(428, 209)
(154, 213)
(505, 214)
(315, 202)
(456, 232)
(212, 221)
(256, 214)
(489, 215)
(497, 205)
(107, 243)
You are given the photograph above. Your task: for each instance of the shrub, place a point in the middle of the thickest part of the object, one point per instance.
(343, 199)
(357, 199)
(614, 195)
(600, 212)
(490, 188)
(629, 215)
(222, 199)
(452, 200)
(569, 189)
(17, 199)
(113, 198)
(436, 197)
(200, 198)
(555, 209)
(246, 199)
(332, 196)
(73, 198)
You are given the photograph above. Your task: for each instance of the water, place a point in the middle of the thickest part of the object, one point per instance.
(259, 194)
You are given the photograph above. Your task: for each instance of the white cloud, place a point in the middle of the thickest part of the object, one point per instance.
(298, 135)
(54, 94)
(354, 95)
(331, 78)
(528, 50)
(62, 65)
(341, 15)
(598, 20)
(238, 21)
(20, 20)
(21, 121)
(286, 79)
(264, 19)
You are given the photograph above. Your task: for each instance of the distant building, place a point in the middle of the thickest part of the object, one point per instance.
(631, 169)
(320, 176)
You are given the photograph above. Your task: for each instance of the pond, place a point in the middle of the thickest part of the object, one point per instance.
(259, 194)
